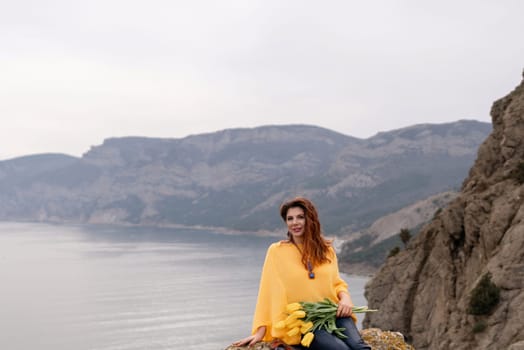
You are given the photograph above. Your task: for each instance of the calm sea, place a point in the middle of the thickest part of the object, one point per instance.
(101, 288)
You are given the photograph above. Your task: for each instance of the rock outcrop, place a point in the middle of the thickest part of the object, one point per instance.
(425, 292)
(376, 338)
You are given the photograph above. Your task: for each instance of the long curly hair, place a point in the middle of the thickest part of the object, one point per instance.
(315, 248)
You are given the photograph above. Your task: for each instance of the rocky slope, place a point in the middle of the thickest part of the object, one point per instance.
(237, 178)
(364, 251)
(409, 217)
(425, 292)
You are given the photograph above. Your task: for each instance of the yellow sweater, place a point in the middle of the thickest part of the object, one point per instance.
(285, 280)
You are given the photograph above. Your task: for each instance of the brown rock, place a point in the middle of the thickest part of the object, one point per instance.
(378, 339)
(424, 291)
(257, 346)
(385, 340)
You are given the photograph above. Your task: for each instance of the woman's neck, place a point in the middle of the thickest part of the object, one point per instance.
(297, 240)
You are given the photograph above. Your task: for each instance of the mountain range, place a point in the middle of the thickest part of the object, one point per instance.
(236, 179)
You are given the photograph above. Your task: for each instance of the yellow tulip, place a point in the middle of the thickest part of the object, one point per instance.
(297, 323)
(299, 313)
(307, 339)
(280, 325)
(291, 340)
(290, 319)
(293, 307)
(306, 327)
(293, 331)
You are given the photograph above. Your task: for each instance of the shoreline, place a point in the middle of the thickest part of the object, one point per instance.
(214, 229)
(360, 270)
(357, 270)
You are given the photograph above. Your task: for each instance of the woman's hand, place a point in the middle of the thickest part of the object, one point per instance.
(252, 339)
(345, 305)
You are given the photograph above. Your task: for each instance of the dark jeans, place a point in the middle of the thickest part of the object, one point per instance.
(327, 341)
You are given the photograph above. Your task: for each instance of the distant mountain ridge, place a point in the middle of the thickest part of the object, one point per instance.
(237, 178)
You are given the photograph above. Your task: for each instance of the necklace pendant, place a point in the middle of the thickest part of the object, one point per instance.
(311, 274)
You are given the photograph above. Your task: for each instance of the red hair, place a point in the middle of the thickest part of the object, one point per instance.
(315, 248)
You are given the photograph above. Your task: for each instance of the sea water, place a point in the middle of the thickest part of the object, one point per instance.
(107, 288)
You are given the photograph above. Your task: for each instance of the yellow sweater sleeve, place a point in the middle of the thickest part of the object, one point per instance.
(271, 296)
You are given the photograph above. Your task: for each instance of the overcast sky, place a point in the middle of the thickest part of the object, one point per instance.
(73, 73)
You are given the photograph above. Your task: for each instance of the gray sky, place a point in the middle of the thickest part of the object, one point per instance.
(73, 73)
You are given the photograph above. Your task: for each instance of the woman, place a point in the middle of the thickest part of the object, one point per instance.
(302, 268)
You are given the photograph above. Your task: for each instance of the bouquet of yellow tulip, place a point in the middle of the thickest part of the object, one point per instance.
(306, 317)
(294, 328)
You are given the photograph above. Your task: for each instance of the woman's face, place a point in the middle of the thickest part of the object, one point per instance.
(296, 221)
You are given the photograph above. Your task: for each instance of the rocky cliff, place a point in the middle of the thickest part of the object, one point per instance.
(429, 291)
(237, 178)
